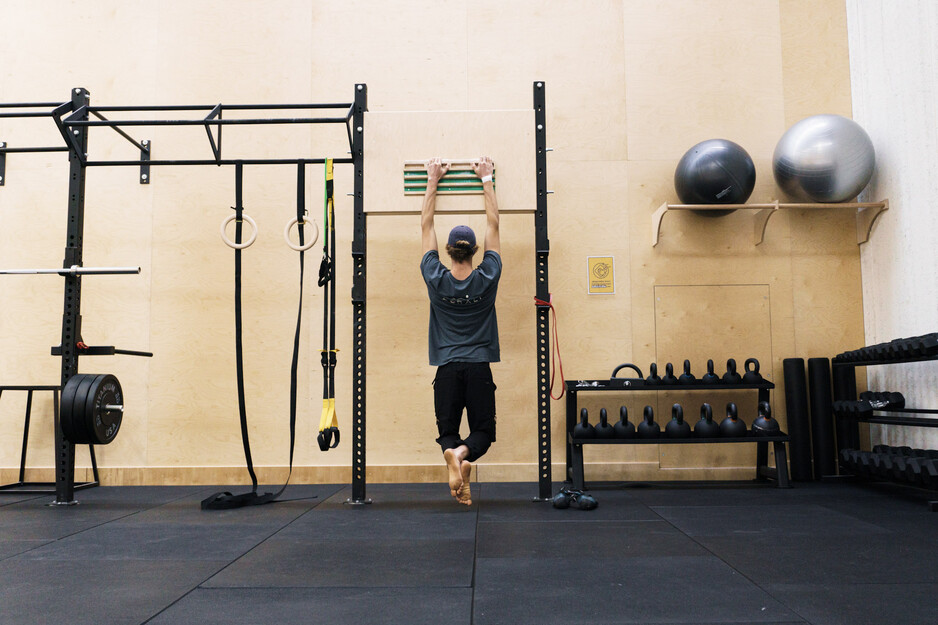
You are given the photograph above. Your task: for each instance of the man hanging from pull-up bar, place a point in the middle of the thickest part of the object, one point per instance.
(463, 329)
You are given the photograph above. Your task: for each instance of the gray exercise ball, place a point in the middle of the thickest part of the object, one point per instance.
(824, 158)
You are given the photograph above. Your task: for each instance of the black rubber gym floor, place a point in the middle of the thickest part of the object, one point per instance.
(820, 553)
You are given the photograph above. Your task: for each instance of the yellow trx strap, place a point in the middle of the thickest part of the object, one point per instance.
(328, 423)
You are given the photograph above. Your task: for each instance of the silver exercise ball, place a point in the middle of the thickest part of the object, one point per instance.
(824, 158)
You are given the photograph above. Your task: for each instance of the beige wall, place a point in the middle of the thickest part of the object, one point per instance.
(892, 59)
(631, 85)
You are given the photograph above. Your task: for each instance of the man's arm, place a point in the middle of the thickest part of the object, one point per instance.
(484, 168)
(435, 170)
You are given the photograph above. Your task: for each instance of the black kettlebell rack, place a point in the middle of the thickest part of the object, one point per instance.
(764, 473)
(890, 464)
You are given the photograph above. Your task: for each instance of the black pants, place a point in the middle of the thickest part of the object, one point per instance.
(468, 385)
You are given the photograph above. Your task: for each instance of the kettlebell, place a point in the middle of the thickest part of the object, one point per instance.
(687, 377)
(731, 426)
(707, 427)
(653, 377)
(765, 425)
(677, 428)
(623, 428)
(668, 377)
(752, 376)
(648, 428)
(603, 428)
(583, 429)
(710, 377)
(731, 377)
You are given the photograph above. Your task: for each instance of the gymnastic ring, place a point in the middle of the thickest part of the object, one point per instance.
(312, 241)
(229, 242)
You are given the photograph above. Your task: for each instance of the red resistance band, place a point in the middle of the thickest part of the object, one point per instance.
(554, 348)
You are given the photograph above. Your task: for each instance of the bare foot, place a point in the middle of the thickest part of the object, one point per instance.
(455, 476)
(464, 496)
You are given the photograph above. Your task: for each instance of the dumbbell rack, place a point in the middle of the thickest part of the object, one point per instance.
(575, 445)
(844, 365)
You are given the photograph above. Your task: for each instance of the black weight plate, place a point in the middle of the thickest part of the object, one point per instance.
(80, 421)
(88, 409)
(73, 412)
(66, 404)
(105, 423)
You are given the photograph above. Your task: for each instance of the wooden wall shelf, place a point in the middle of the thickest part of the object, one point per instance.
(867, 212)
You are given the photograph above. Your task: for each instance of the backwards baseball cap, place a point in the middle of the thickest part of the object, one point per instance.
(462, 233)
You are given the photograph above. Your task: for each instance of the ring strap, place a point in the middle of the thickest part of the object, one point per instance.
(227, 500)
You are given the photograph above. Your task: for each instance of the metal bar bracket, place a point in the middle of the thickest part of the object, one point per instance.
(145, 161)
(216, 147)
(3, 163)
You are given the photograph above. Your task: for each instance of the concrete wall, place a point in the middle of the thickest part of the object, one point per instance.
(631, 85)
(894, 74)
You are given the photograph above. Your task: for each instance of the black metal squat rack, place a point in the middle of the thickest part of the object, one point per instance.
(74, 130)
(359, 249)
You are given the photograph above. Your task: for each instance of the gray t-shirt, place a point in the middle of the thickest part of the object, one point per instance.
(463, 326)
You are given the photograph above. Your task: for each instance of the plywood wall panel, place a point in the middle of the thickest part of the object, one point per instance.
(412, 55)
(815, 60)
(63, 44)
(586, 79)
(233, 52)
(701, 70)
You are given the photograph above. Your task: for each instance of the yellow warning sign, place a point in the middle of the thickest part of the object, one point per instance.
(602, 276)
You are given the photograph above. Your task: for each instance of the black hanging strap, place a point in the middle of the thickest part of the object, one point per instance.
(227, 500)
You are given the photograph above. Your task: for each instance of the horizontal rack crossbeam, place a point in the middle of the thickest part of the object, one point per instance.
(468, 211)
(209, 107)
(665, 440)
(209, 122)
(23, 105)
(229, 161)
(25, 115)
(4, 150)
(924, 422)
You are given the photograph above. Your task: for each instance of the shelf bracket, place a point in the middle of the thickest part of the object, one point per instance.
(656, 218)
(760, 221)
(866, 217)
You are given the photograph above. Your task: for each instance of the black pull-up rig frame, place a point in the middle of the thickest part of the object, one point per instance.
(74, 130)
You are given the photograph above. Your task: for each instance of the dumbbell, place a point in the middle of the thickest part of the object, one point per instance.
(882, 465)
(929, 473)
